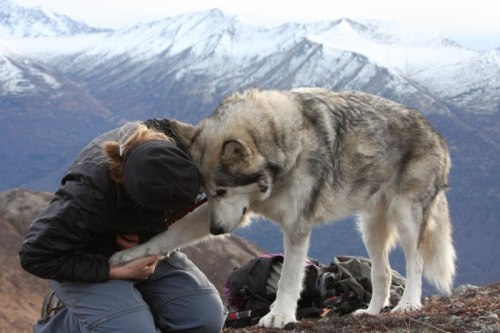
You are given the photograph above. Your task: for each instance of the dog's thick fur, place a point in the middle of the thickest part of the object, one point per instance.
(310, 155)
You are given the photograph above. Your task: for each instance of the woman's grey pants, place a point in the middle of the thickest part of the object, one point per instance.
(176, 298)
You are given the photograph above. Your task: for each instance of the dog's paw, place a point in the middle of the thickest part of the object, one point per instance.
(276, 320)
(140, 251)
(368, 311)
(406, 306)
(120, 258)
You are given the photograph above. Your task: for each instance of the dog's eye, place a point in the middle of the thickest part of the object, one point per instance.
(220, 193)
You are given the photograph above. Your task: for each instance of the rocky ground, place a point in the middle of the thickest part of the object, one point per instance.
(468, 309)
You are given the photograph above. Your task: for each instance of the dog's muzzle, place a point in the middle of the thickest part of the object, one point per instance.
(215, 230)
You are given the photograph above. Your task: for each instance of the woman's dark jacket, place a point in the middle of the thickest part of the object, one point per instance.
(74, 237)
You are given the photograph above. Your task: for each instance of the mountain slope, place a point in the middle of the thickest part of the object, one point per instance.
(46, 118)
(22, 293)
(20, 75)
(464, 78)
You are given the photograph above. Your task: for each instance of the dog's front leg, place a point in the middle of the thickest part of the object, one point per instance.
(296, 242)
(188, 230)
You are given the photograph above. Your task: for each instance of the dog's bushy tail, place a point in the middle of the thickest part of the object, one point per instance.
(436, 246)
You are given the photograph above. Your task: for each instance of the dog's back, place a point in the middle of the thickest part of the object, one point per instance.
(351, 147)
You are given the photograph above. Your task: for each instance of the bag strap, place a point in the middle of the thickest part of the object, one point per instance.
(238, 319)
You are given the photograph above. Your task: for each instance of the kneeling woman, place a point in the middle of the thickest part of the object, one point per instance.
(116, 195)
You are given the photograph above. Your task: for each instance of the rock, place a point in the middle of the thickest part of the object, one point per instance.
(464, 289)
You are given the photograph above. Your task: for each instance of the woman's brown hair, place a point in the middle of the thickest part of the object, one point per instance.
(116, 151)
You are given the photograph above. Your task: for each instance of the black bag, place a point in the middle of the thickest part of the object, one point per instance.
(247, 292)
(336, 289)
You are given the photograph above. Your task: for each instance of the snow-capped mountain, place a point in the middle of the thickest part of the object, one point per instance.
(222, 54)
(430, 73)
(22, 22)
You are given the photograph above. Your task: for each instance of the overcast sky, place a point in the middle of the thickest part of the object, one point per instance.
(472, 23)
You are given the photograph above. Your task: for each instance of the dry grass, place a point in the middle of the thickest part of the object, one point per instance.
(475, 311)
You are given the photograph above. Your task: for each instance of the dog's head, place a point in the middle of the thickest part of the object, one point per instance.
(235, 174)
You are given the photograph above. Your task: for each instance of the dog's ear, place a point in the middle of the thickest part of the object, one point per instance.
(234, 151)
(185, 132)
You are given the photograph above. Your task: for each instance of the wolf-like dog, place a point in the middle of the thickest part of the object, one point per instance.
(310, 155)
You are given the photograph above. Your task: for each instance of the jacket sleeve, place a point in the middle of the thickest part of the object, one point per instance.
(54, 247)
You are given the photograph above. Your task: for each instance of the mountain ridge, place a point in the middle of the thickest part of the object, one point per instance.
(213, 41)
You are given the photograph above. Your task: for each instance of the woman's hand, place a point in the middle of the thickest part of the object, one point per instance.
(137, 269)
(126, 241)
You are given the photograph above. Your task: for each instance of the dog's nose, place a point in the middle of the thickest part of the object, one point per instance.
(216, 230)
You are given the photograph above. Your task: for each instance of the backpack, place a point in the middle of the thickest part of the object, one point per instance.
(336, 289)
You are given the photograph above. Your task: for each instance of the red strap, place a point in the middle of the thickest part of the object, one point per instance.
(179, 214)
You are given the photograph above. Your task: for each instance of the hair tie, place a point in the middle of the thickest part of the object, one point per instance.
(122, 149)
